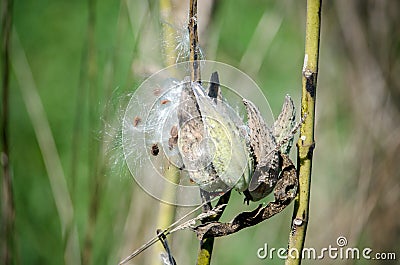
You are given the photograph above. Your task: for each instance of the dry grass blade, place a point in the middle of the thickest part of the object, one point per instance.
(49, 151)
(265, 32)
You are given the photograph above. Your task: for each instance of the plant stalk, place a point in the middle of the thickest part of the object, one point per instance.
(306, 142)
(166, 212)
(194, 43)
(206, 245)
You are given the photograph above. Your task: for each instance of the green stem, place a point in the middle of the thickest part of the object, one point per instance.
(306, 140)
(207, 244)
(205, 252)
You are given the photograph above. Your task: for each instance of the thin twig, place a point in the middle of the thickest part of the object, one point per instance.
(194, 42)
(169, 230)
(306, 141)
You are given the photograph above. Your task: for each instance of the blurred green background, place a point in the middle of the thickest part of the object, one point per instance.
(73, 61)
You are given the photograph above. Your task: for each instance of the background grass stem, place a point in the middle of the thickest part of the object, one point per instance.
(7, 198)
